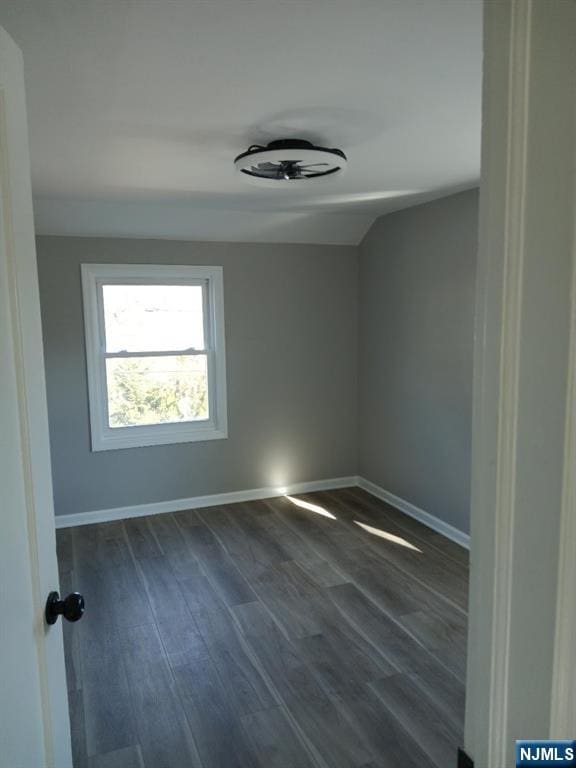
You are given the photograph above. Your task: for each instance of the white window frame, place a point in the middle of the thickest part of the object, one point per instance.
(104, 437)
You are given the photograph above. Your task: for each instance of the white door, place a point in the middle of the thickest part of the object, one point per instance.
(34, 723)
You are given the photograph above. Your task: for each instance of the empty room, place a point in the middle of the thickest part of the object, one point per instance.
(287, 383)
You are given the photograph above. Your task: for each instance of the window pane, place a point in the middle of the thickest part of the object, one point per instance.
(156, 318)
(156, 390)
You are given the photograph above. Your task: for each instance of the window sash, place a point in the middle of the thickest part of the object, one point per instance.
(204, 284)
(184, 422)
(159, 353)
(104, 355)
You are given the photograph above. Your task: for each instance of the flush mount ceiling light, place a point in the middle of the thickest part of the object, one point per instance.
(288, 161)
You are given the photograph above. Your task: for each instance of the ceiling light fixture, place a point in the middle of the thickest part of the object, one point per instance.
(290, 161)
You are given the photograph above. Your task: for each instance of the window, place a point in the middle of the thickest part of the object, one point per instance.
(155, 354)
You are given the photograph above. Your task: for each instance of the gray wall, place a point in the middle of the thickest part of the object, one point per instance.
(417, 275)
(296, 409)
(291, 337)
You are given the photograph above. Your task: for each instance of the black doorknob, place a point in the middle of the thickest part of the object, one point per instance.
(72, 607)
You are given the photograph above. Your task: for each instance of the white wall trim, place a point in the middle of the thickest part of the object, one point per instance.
(527, 160)
(196, 502)
(447, 530)
(253, 494)
(563, 705)
(513, 264)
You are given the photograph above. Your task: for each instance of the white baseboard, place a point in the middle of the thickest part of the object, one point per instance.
(195, 502)
(252, 494)
(418, 514)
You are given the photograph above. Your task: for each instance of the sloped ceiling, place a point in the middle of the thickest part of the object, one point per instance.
(138, 107)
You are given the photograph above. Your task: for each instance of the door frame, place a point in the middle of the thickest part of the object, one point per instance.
(523, 495)
(563, 713)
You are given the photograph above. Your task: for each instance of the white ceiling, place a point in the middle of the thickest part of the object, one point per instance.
(138, 107)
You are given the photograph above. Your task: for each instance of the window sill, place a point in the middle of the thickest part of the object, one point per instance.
(144, 437)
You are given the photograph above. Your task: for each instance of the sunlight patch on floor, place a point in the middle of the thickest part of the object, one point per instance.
(388, 536)
(311, 507)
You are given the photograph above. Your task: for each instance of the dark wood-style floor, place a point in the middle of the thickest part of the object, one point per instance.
(266, 634)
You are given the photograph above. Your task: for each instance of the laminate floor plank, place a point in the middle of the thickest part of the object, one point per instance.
(294, 600)
(397, 593)
(167, 533)
(93, 633)
(418, 558)
(220, 567)
(323, 573)
(380, 510)
(341, 664)
(65, 551)
(279, 657)
(446, 691)
(268, 634)
(296, 547)
(419, 716)
(97, 661)
(333, 649)
(102, 544)
(217, 728)
(322, 533)
(247, 552)
(129, 757)
(299, 612)
(246, 687)
(162, 728)
(141, 540)
(370, 569)
(428, 627)
(402, 650)
(128, 603)
(250, 518)
(163, 590)
(358, 507)
(338, 741)
(188, 518)
(440, 627)
(184, 563)
(391, 745)
(182, 641)
(274, 741)
(115, 597)
(77, 728)
(109, 719)
(351, 551)
(446, 641)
